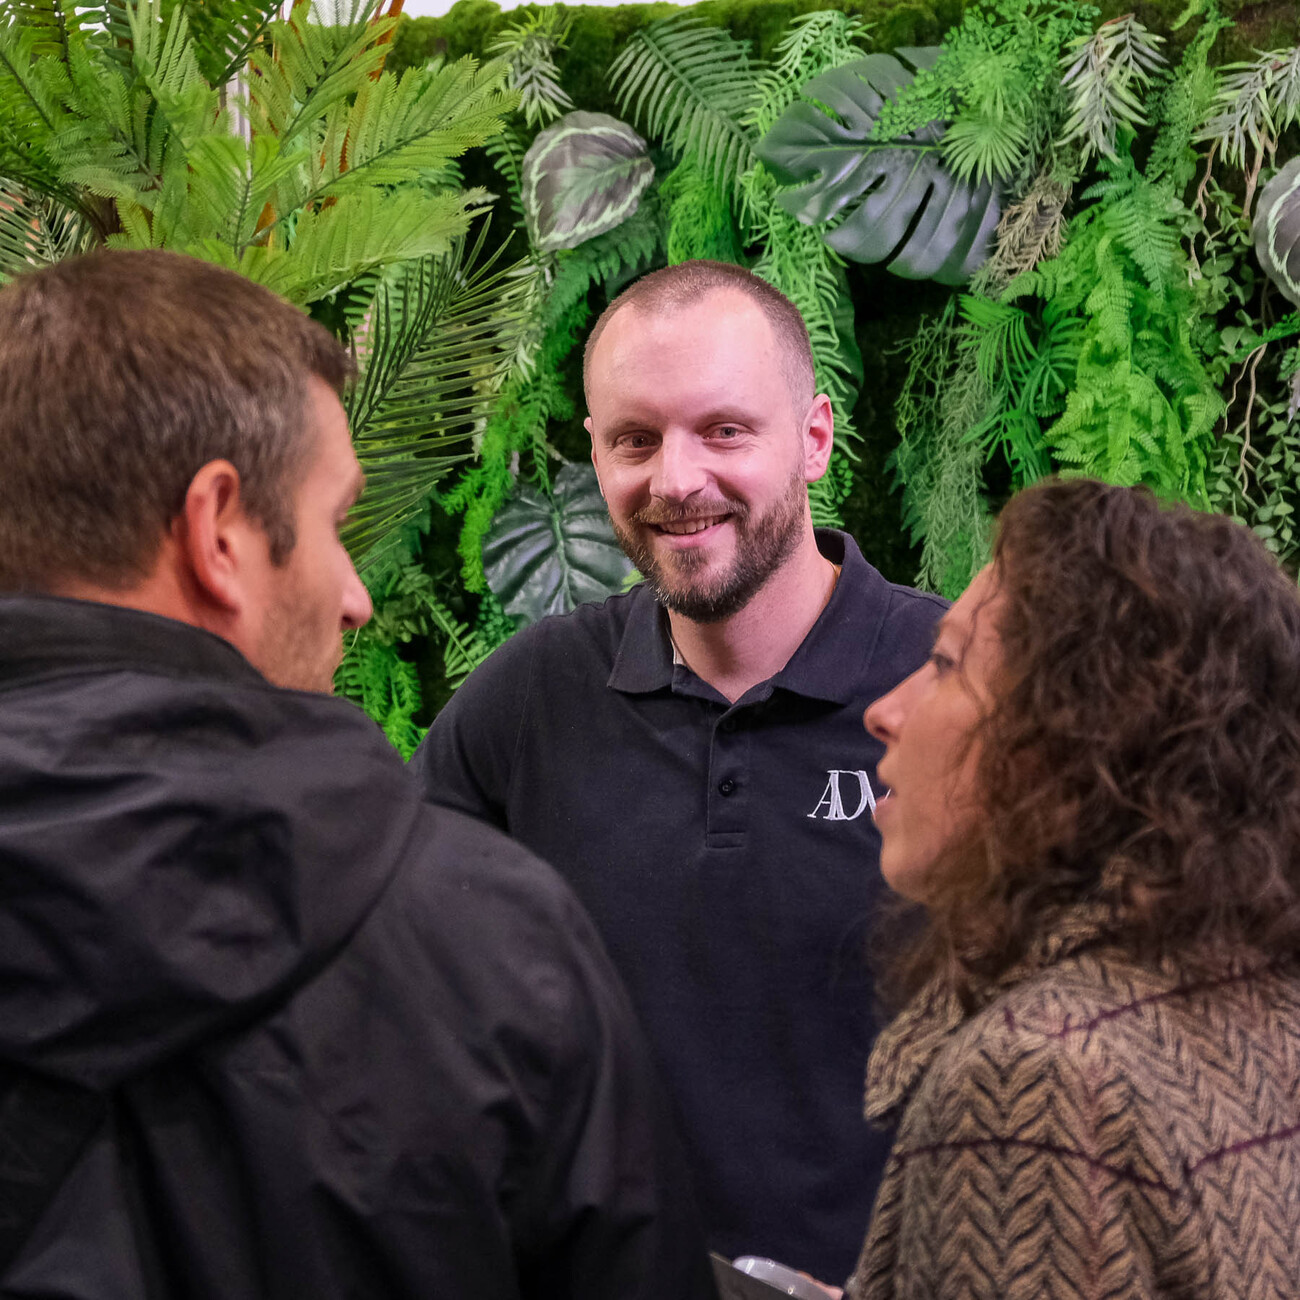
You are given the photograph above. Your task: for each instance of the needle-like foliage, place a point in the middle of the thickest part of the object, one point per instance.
(690, 86)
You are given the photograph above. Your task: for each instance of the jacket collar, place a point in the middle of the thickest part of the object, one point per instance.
(905, 1049)
(45, 636)
(845, 630)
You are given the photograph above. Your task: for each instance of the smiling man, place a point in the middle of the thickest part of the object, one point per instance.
(270, 1025)
(690, 755)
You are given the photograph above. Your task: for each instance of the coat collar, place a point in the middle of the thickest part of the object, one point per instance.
(42, 636)
(904, 1051)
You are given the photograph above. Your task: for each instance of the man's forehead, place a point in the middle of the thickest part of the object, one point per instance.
(637, 319)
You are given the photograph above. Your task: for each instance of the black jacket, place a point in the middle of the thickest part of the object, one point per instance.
(324, 1039)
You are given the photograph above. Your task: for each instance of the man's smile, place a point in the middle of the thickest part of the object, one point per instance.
(686, 527)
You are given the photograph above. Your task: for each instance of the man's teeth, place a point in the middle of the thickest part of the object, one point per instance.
(688, 526)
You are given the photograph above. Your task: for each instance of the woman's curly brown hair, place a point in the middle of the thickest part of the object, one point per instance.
(1143, 748)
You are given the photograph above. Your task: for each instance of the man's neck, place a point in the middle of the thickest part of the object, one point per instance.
(758, 641)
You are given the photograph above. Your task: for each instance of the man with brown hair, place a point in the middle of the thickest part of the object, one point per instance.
(691, 757)
(270, 1026)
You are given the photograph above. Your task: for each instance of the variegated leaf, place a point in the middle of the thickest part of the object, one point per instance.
(581, 177)
(1277, 230)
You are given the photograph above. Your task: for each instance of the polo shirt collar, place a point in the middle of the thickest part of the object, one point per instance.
(822, 668)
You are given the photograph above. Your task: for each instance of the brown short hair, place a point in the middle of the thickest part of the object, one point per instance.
(1143, 748)
(673, 287)
(121, 375)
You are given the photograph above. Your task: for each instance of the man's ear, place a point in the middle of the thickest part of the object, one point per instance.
(595, 464)
(214, 535)
(818, 438)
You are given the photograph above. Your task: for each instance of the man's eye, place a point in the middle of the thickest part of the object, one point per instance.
(726, 432)
(635, 441)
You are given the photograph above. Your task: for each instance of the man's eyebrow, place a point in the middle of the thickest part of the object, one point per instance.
(625, 425)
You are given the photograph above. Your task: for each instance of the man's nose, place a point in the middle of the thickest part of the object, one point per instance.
(356, 601)
(679, 470)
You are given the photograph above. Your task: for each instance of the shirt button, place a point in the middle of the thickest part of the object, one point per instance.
(726, 787)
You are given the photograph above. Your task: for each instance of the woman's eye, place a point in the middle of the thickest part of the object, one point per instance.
(941, 663)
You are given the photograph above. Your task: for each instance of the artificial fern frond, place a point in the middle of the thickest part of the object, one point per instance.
(230, 183)
(1254, 104)
(1029, 231)
(360, 233)
(225, 32)
(30, 107)
(113, 145)
(396, 126)
(1109, 71)
(434, 351)
(306, 68)
(164, 60)
(690, 85)
(813, 43)
(506, 151)
(529, 47)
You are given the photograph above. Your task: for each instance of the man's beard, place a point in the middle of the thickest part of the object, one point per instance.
(762, 547)
(299, 649)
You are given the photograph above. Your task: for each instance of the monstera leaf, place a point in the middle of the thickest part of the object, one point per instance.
(581, 177)
(1277, 230)
(897, 199)
(544, 555)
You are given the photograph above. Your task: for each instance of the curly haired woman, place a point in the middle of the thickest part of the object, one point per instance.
(1096, 796)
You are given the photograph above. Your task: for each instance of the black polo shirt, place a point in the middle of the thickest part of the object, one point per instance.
(727, 855)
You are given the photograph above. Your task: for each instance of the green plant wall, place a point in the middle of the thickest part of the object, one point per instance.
(1183, 285)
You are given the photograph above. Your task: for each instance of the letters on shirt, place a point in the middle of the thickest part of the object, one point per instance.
(833, 800)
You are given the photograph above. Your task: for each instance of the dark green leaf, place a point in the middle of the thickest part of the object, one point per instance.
(545, 555)
(896, 199)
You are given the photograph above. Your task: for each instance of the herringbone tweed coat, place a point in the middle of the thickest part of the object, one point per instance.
(1100, 1128)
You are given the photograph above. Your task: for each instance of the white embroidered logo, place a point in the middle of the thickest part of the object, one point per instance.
(833, 801)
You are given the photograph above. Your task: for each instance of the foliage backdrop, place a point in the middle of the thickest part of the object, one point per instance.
(1027, 236)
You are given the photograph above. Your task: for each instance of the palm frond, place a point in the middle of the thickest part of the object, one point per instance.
(690, 86)
(361, 233)
(432, 355)
(36, 231)
(397, 126)
(165, 61)
(230, 183)
(30, 110)
(306, 68)
(225, 33)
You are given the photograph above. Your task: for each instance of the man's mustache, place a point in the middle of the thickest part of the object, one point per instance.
(657, 514)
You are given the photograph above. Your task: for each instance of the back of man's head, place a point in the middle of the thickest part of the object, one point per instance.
(121, 375)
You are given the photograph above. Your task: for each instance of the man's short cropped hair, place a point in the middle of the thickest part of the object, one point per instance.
(121, 375)
(674, 287)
